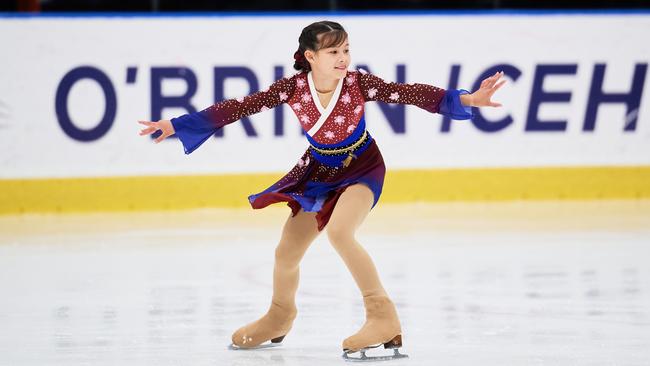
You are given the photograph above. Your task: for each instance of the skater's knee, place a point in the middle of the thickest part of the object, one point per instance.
(340, 235)
(287, 255)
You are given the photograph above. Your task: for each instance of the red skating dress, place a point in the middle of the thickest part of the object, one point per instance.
(341, 150)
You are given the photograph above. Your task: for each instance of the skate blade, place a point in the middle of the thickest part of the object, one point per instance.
(235, 347)
(275, 342)
(393, 344)
(364, 358)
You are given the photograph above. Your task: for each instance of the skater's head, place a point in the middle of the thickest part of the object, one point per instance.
(323, 48)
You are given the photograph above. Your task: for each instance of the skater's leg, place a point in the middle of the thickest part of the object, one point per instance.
(351, 209)
(382, 323)
(298, 233)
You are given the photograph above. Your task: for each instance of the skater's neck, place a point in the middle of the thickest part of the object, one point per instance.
(324, 83)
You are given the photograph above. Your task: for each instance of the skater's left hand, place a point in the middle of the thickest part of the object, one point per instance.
(481, 97)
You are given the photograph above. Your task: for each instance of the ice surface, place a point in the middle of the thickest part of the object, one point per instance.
(546, 283)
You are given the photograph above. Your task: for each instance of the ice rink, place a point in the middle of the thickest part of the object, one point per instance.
(517, 283)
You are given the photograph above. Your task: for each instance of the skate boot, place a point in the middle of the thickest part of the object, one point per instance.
(273, 326)
(382, 327)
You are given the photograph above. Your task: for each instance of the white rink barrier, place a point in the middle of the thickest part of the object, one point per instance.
(73, 88)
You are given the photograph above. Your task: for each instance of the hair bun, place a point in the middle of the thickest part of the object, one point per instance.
(300, 61)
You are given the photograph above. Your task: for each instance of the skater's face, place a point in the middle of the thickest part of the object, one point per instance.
(331, 61)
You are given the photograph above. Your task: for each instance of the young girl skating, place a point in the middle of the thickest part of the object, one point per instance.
(335, 183)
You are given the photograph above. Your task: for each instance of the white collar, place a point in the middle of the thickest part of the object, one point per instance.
(324, 112)
(314, 93)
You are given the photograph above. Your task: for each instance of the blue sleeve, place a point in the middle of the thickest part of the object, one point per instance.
(451, 106)
(193, 130)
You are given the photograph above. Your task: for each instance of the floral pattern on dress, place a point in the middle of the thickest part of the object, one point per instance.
(302, 163)
(300, 83)
(346, 98)
(338, 120)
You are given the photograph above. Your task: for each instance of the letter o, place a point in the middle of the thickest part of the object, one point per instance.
(61, 103)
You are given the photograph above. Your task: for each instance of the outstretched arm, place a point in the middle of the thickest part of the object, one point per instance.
(455, 103)
(193, 129)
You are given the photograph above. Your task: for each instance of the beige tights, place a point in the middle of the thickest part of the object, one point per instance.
(351, 209)
(299, 231)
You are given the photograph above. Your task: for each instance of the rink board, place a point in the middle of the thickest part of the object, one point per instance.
(177, 192)
(574, 125)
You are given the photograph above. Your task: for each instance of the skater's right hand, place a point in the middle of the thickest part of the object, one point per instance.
(164, 125)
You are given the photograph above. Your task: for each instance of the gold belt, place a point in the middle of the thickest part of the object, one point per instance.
(343, 149)
(348, 149)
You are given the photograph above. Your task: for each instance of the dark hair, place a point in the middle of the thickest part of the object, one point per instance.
(333, 35)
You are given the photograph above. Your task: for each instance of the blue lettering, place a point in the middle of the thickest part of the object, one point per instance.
(61, 103)
(538, 96)
(479, 121)
(632, 100)
(160, 102)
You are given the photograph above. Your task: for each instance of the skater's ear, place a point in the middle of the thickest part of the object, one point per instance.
(309, 55)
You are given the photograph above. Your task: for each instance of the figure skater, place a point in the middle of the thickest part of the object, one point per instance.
(335, 183)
